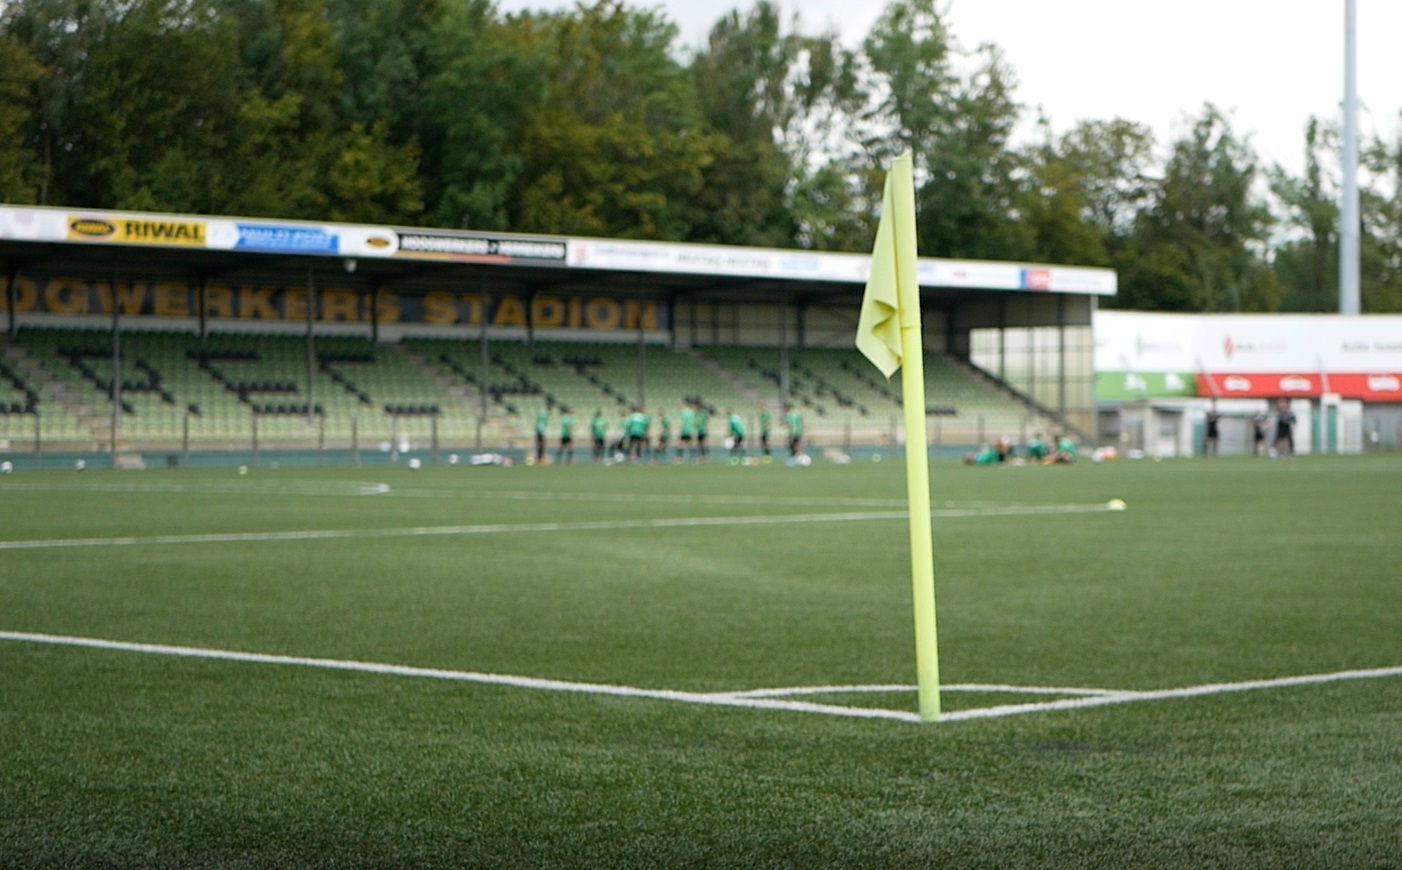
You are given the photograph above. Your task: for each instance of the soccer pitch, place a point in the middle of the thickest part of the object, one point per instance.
(702, 665)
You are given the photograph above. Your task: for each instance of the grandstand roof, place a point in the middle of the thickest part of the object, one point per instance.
(101, 244)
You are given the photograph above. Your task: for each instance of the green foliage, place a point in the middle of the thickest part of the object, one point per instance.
(19, 75)
(593, 121)
(1207, 222)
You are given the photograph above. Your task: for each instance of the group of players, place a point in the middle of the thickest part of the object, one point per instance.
(634, 440)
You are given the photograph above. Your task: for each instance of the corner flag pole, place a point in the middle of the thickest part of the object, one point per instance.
(889, 334)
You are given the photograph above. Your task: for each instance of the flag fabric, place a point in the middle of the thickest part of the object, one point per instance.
(892, 270)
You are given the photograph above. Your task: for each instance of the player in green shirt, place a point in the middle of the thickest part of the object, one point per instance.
(766, 424)
(737, 436)
(542, 420)
(664, 435)
(599, 430)
(688, 428)
(794, 421)
(703, 422)
(636, 427)
(566, 454)
(1037, 448)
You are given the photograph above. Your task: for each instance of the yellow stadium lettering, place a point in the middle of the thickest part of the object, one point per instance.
(602, 314)
(66, 296)
(131, 298)
(257, 303)
(172, 299)
(386, 307)
(510, 312)
(636, 316)
(547, 311)
(473, 301)
(340, 305)
(576, 319)
(26, 295)
(219, 301)
(440, 309)
(294, 303)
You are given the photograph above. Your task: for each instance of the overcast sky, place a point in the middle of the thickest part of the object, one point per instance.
(1270, 64)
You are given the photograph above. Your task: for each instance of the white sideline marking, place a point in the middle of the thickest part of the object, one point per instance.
(762, 699)
(333, 488)
(466, 677)
(520, 528)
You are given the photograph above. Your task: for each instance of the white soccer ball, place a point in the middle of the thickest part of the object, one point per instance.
(7, 467)
(414, 465)
(80, 465)
(1116, 504)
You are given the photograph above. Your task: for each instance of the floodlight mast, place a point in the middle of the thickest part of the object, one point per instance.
(1349, 224)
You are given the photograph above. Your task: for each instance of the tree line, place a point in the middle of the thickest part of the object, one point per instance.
(596, 122)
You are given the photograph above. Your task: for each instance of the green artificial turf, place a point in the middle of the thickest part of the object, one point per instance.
(1219, 571)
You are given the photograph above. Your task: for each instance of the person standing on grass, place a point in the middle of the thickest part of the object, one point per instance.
(703, 423)
(664, 435)
(599, 430)
(566, 453)
(688, 428)
(542, 421)
(794, 420)
(1284, 428)
(1209, 441)
(737, 436)
(1258, 427)
(766, 424)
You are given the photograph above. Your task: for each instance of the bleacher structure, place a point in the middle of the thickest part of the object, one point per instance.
(227, 390)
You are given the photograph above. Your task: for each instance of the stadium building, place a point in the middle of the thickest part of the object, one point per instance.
(161, 337)
(1159, 374)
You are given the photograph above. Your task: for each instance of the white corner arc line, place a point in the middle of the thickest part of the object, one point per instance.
(988, 688)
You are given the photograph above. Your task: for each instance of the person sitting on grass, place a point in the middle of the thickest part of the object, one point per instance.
(1064, 453)
(987, 455)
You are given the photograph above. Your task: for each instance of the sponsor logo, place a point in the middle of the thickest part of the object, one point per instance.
(1294, 384)
(93, 228)
(443, 245)
(378, 242)
(137, 231)
(163, 232)
(303, 240)
(1228, 347)
(1236, 384)
(1384, 383)
(1036, 279)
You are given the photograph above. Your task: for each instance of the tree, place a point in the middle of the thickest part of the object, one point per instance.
(1307, 262)
(1381, 243)
(617, 145)
(1084, 190)
(19, 74)
(958, 127)
(1207, 223)
(742, 82)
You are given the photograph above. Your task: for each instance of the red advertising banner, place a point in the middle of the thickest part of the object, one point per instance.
(1373, 387)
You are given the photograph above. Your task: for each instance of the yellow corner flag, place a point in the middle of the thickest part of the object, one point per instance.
(888, 333)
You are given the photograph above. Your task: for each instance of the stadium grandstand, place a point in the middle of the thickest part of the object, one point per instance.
(158, 335)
